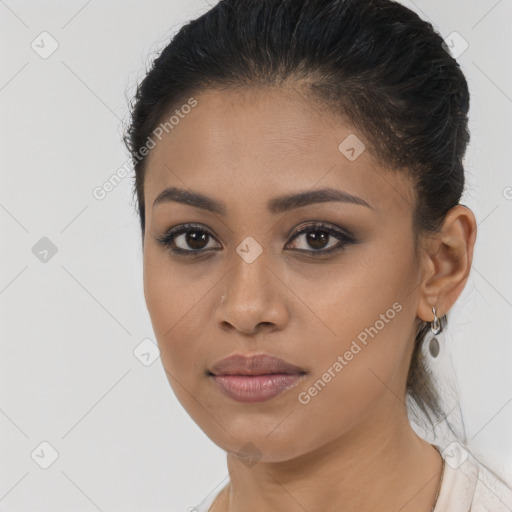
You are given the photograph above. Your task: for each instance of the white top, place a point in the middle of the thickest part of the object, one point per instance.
(467, 486)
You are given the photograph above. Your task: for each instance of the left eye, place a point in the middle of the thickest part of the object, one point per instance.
(317, 237)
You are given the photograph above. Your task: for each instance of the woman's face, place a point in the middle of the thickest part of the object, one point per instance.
(249, 280)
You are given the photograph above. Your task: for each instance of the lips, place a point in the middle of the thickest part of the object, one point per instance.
(255, 378)
(257, 364)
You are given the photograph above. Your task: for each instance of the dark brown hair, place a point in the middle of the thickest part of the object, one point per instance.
(375, 62)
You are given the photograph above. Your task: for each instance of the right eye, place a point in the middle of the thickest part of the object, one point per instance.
(187, 239)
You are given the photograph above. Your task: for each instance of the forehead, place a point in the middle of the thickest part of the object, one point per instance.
(262, 142)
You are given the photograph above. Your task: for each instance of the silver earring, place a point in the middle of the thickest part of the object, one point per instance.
(434, 347)
(435, 326)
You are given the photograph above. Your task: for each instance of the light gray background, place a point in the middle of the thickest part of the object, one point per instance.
(68, 374)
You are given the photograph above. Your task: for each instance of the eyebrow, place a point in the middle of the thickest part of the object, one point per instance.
(276, 205)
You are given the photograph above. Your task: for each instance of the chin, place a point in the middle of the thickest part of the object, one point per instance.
(255, 444)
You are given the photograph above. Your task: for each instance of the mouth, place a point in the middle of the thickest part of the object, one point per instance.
(255, 378)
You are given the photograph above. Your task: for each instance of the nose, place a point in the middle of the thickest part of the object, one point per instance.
(252, 298)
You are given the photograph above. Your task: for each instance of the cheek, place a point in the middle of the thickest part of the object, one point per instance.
(170, 293)
(176, 310)
(354, 371)
(361, 343)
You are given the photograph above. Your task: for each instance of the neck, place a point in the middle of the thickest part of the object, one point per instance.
(381, 464)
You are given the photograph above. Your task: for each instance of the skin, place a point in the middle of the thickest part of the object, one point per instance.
(351, 448)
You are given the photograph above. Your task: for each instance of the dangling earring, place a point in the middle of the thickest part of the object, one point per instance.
(435, 326)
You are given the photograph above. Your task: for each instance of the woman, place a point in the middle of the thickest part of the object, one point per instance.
(298, 171)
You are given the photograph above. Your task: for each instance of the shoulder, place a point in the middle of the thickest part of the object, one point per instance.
(491, 493)
(469, 486)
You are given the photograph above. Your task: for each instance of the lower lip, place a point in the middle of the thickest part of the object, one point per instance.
(256, 388)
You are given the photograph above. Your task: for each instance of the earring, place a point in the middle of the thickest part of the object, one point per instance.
(433, 347)
(435, 326)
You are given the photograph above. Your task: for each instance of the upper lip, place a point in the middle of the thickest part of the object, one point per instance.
(257, 364)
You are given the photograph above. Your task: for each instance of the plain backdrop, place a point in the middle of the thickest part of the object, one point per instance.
(73, 315)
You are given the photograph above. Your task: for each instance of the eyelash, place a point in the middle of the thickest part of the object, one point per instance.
(167, 239)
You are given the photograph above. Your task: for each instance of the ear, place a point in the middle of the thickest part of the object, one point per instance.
(447, 260)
